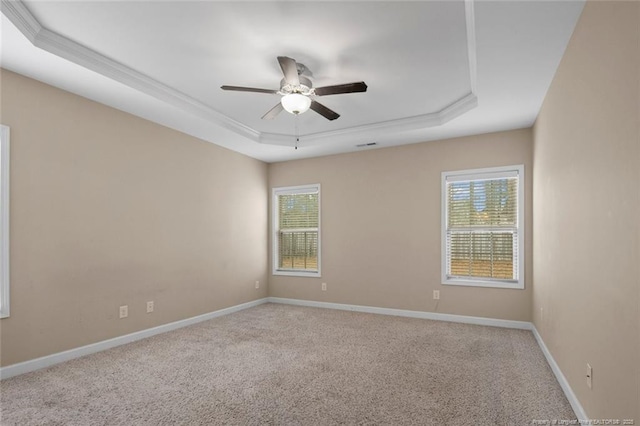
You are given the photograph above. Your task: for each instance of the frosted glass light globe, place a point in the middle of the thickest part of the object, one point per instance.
(295, 103)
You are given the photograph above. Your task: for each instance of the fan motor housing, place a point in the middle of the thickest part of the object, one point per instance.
(305, 87)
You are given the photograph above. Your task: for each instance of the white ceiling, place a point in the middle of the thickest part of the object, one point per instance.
(435, 70)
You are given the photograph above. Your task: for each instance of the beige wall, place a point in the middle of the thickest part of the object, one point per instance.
(587, 210)
(108, 209)
(381, 226)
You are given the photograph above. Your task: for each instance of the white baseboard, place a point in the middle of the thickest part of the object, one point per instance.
(564, 384)
(523, 325)
(46, 361)
(49, 360)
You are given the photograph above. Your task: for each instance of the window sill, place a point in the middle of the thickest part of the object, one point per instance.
(293, 273)
(519, 285)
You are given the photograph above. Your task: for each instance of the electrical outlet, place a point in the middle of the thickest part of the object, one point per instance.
(124, 311)
(436, 294)
(150, 306)
(257, 284)
(324, 286)
(589, 376)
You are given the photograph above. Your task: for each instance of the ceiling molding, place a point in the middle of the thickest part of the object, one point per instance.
(18, 13)
(470, 17)
(373, 130)
(369, 132)
(66, 48)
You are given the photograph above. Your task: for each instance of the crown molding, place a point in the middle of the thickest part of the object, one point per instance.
(61, 46)
(372, 131)
(66, 48)
(470, 19)
(18, 13)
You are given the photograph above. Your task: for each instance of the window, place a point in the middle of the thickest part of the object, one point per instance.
(296, 226)
(482, 227)
(4, 221)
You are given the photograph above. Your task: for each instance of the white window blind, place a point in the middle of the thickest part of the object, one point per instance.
(297, 230)
(482, 229)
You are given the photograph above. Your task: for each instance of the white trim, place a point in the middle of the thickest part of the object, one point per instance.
(367, 131)
(59, 45)
(57, 358)
(20, 16)
(470, 15)
(298, 189)
(5, 276)
(522, 325)
(471, 282)
(47, 361)
(299, 272)
(484, 173)
(313, 188)
(564, 384)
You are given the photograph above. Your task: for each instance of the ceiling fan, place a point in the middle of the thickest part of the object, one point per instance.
(297, 91)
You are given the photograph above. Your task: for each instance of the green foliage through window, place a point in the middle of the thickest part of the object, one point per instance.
(482, 227)
(298, 229)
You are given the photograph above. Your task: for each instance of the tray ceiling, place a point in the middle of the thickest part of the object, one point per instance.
(434, 69)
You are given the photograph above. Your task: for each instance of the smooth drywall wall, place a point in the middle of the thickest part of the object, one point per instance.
(587, 211)
(108, 209)
(381, 223)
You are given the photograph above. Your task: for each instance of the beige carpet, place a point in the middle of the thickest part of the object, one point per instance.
(288, 365)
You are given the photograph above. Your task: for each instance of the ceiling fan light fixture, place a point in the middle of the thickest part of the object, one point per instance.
(295, 103)
(296, 91)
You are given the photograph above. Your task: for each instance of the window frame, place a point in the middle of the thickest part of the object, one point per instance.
(285, 190)
(4, 221)
(479, 174)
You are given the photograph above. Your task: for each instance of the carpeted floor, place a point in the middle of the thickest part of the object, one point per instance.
(289, 365)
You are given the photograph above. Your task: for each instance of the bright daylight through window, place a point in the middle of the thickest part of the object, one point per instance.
(482, 227)
(296, 225)
(4, 221)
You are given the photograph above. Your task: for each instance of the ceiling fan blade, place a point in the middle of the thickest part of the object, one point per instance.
(341, 88)
(273, 112)
(248, 89)
(324, 111)
(290, 70)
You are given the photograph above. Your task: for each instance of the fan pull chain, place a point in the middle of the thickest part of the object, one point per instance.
(297, 132)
